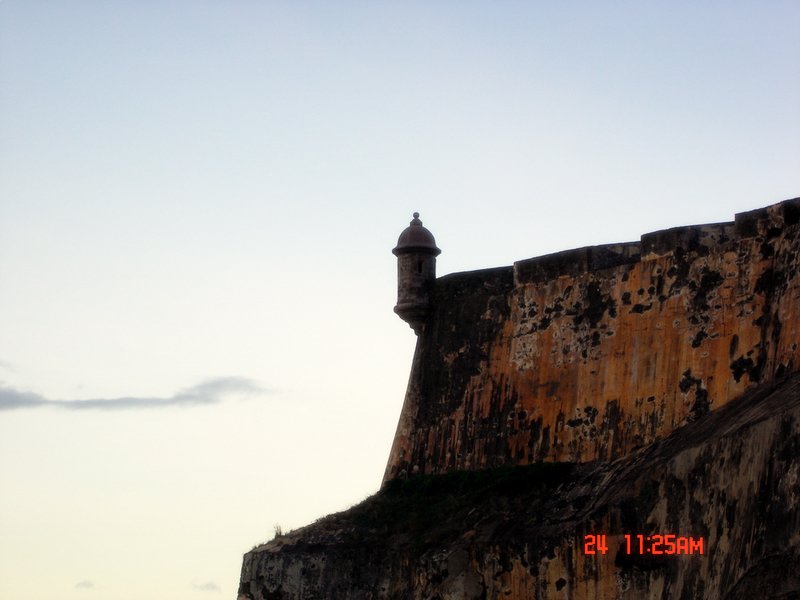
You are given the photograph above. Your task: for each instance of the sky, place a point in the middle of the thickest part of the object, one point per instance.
(198, 202)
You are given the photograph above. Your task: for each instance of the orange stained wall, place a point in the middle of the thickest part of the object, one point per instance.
(591, 353)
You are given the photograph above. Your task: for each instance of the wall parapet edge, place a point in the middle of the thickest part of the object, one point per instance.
(700, 238)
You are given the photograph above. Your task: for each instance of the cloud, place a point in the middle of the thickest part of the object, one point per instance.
(208, 586)
(210, 391)
(11, 398)
(85, 585)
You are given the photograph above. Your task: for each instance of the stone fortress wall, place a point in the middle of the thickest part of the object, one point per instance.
(592, 353)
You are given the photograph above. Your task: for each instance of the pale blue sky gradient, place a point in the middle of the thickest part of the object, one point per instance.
(201, 192)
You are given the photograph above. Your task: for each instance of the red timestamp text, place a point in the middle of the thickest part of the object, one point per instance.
(653, 545)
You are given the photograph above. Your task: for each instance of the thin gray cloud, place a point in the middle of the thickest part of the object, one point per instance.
(208, 586)
(210, 391)
(85, 585)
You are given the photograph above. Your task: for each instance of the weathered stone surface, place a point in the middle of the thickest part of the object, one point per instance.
(592, 353)
(642, 388)
(731, 477)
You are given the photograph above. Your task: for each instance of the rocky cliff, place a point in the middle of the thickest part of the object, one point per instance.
(645, 389)
(731, 478)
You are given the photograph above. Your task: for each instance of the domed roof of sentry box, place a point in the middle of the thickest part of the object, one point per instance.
(416, 238)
